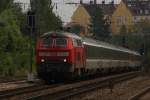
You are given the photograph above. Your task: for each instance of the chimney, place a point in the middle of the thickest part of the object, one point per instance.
(95, 1)
(91, 2)
(103, 2)
(81, 1)
(112, 2)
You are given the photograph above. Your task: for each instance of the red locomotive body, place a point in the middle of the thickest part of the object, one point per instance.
(59, 55)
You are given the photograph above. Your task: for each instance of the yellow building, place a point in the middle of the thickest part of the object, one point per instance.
(84, 12)
(129, 12)
(82, 18)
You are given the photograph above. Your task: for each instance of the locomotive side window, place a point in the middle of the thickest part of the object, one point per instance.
(61, 42)
(47, 41)
(77, 43)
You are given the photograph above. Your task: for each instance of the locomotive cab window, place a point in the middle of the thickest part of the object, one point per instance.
(61, 42)
(47, 41)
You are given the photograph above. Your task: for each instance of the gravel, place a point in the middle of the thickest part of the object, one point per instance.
(121, 91)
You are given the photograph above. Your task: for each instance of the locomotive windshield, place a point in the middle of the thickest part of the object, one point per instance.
(61, 42)
(47, 41)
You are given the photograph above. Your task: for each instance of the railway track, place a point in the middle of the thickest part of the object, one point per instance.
(5, 80)
(10, 85)
(68, 91)
(20, 93)
(61, 90)
(15, 82)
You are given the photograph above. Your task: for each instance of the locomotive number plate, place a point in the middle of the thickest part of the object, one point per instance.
(47, 54)
(53, 54)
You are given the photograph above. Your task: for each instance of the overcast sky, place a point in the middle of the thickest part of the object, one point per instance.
(65, 11)
(116, 1)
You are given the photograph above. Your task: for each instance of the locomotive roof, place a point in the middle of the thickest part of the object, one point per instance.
(98, 43)
(92, 42)
(61, 33)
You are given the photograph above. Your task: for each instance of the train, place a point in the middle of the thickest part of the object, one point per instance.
(64, 55)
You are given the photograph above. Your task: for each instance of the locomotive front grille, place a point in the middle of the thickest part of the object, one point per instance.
(55, 66)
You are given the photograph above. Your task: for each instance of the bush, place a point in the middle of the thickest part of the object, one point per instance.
(14, 49)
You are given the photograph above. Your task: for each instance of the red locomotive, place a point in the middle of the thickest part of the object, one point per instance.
(62, 55)
(59, 55)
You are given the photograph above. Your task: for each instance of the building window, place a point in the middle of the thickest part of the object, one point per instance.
(135, 19)
(141, 11)
(120, 20)
(129, 5)
(146, 11)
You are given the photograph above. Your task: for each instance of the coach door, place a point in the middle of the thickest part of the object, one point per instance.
(78, 53)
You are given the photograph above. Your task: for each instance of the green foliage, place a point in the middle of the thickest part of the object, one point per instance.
(5, 4)
(123, 30)
(14, 40)
(133, 42)
(141, 27)
(46, 20)
(77, 29)
(123, 35)
(21, 19)
(99, 25)
(148, 57)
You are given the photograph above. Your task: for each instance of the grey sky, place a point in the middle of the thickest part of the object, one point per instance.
(61, 1)
(86, 1)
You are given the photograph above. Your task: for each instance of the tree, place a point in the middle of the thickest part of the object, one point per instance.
(141, 27)
(4, 4)
(99, 24)
(21, 19)
(123, 34)
(14, 44)
(46, 20)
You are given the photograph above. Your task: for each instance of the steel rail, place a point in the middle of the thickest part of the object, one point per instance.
(11, 80)
(17, 81)
(23, 90)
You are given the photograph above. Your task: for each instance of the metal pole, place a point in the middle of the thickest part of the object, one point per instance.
(30, 50)
(30, 74)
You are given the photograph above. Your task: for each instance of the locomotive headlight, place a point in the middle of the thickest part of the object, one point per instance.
(42, 60)
(65, 60)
